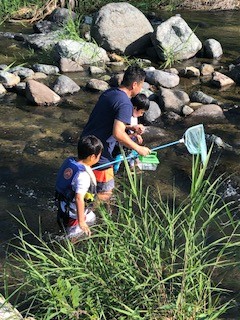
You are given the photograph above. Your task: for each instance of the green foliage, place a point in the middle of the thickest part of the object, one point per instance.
(71, 29)
(8, 8)
(152, 260)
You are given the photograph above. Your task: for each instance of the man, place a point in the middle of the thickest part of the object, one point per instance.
(108, 121)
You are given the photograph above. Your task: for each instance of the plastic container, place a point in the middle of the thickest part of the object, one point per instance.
(149, 162)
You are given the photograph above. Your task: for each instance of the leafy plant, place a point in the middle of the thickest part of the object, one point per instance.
(71, 29)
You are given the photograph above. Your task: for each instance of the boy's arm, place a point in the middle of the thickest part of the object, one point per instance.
(121, 136)
(137, 128)
(80, 205)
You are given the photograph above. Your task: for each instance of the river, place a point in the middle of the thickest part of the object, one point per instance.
(34, 140)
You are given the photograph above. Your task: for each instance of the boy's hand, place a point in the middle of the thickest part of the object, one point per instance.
(139, 128)
(139, 139)
(85, 228)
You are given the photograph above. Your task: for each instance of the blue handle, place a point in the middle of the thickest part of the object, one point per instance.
(166, 145)
(134, 154)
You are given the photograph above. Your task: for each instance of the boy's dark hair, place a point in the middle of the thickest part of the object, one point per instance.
(132, 74)
(140, 101)
(89, 145)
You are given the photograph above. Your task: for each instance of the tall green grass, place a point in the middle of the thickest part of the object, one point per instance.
(152, 260)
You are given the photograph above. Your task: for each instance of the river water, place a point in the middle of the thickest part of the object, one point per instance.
(34, 140)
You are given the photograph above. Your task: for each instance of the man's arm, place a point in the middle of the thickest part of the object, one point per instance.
(119, 133)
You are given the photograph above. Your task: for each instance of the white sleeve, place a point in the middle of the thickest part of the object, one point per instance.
(81, 182)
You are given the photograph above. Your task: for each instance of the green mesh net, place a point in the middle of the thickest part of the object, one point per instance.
(194, 140)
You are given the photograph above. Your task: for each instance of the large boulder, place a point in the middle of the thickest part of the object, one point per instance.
(80, 51)
(175, 39)
(122, 28)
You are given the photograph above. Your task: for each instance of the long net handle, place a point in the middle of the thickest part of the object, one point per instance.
(131, 157)
(167, 145)
(113, 162)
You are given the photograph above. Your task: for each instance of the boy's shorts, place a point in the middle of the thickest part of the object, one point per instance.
(105, 179)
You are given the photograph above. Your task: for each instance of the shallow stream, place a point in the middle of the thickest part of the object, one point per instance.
(34, 140)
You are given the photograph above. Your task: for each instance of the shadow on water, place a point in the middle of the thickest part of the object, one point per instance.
(35, 140)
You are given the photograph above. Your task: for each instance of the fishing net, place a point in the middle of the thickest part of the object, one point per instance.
(194, 140)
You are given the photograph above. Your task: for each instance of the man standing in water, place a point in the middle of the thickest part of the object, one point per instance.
(108, 121)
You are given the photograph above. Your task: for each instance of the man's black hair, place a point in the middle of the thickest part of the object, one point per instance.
(89, 145)
(140, 101)
(132, 74)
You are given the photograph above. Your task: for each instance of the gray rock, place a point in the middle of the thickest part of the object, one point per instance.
(61, 16)
(45, 26)
(96, 84)
(64, 85)
(96, 70)
(211, 113)
(43, 41)
(189, 72)
(219, 142)
(45, 68)
(8, 79)
(68, 65)
(20, 88)
(22, 72)
(162, 78)
(116, 79)
(212, 48)
(235, 73)
(170, 118)
(199, 96)
(122, 28)
(175, 38)
(7, 311)
(172, 100)
(80, 51)
(148, 93)
(152, 113)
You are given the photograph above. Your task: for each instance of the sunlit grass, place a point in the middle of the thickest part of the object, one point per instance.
(9, 8)
(152, 260)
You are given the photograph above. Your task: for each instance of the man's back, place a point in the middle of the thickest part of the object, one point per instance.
(112, 105)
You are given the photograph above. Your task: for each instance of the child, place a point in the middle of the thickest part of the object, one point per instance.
(76, 188)
(140, 105)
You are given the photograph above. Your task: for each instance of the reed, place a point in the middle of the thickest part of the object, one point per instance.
(152, 260)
